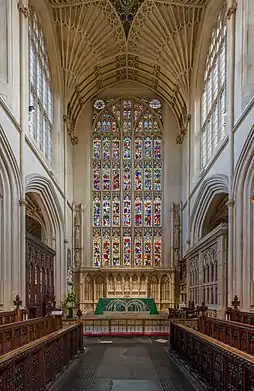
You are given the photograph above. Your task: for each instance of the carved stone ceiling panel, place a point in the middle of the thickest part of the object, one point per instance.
(149, 41)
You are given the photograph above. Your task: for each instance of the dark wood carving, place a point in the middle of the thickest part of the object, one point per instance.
(39, 277)
(222, 367)
(239, 336)
(34, 366)
(7, 317)
(233, 313)
(184, 312)
(15, 335)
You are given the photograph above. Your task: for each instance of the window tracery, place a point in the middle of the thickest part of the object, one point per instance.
(213, 107)
(40, 102)
(127, 161)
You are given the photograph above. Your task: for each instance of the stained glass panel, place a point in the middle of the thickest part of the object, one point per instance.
(116, 211)
(127, 148)
(116, 251)
(106, 177)
(148, 250)
(138, 178)
(116, 149)
(127, 182)
(138, 212)
(99, 104)
(97, 250)
(148, 211)
(148, 147)
(96, 212)
(97, 149)
(148, 176)
(127, 211)
(106, 250)
(97, 178)
(127, 177)
(127, 249)
(106, 211)
(116, 179)
(138, 148)
(138, 251)
(157, 148)
(157, 178)
(157, 211)
(157, 250)
(106, 148)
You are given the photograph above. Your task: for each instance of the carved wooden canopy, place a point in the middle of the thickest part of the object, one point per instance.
(103, 42)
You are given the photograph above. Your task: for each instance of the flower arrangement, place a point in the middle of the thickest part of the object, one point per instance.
(71, 297)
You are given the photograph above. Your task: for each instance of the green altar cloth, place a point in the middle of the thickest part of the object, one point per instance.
(126, 305)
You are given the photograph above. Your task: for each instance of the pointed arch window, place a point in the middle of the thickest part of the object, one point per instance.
(127, 183)
(213, 106)
(40, 103)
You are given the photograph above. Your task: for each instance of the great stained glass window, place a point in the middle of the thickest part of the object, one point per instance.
(127, 164)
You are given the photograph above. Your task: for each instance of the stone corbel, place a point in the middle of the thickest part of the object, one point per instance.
(232, 9)
(70, 129)
(184, 121)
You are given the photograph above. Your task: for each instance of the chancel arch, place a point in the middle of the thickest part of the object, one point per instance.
(126, 180)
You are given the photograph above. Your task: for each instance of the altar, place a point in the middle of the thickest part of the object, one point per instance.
(119, 306)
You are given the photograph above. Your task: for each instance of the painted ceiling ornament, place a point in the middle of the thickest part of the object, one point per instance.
(126, 3)
(99, 104)
(127, 10)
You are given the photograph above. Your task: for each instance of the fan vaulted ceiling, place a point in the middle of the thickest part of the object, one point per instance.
(103, 42)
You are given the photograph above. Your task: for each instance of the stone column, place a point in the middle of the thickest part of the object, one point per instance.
(231, 27)
(19, 278)
(1, 259)
(201, 277)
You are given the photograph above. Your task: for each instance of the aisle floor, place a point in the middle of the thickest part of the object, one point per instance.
(123, 364)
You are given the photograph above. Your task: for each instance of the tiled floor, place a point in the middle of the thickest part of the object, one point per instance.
(122, 364)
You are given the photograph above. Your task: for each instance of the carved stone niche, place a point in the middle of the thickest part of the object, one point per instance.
(77, 234)
(117, 283)
(207, 271)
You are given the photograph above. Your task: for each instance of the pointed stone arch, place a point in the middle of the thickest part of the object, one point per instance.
(243, 225)
(49, 203)
(99, 286)
(11, 268)
(154, 287)
(165, 287)
(210, 188)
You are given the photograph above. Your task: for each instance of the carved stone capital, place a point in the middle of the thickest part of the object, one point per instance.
(230, 203)
(23, 9)
(23, 202)
(232, 9)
